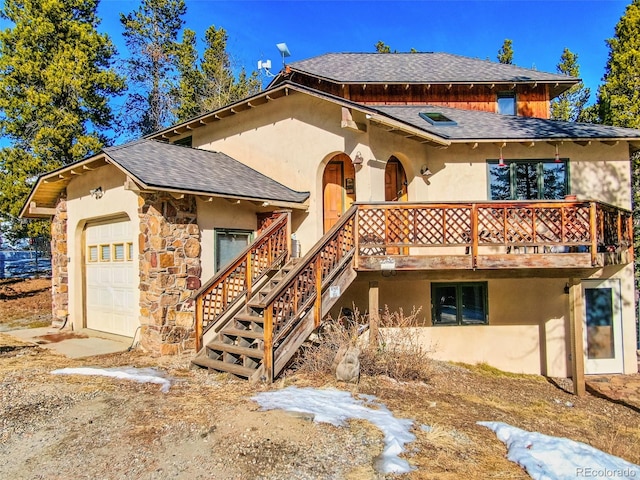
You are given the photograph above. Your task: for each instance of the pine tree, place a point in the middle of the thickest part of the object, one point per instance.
(619, 95)
(56, 80)
(382, 47)
(619, 98)
(151, 35)
(211, 84)
(570, 104)
(505, 54)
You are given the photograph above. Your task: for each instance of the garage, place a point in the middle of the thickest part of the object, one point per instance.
(111, 278)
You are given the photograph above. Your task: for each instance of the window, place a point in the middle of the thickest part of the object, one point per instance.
(118, 252)
(437, 118)
(229, 244)
(105, 253)
(528, 180)
(507, 103)
(93, 253)
(459, 303)
(129, 251)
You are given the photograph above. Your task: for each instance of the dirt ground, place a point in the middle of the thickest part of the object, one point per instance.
(207, 426)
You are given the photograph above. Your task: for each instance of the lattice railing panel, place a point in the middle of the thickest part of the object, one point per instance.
(576, 224)
(519, 225)
(400, 226)
(230, 284)
(548, 224)
(429, 224)
(457, 226)
(491, 225)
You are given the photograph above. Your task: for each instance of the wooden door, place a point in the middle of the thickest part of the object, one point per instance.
(338, 189)
(395, 190)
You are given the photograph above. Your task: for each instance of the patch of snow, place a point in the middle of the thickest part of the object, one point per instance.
(552, 458)
(336, 406)
(140, 375)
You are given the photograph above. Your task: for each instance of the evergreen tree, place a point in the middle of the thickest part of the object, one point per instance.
(56, 80)
(212, 84)
(569, 105)
(619, 97)
(151, 35)
(382, 47)
(505, 54)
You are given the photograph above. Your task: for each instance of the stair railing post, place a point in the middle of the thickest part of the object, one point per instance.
(474, 235)
(356, 239)
(248, 275)
(318, 281)
(594, 230)
(288, 236)
(199, 321)
(268, 343)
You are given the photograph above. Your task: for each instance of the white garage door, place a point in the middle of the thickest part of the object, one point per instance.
(111, 278)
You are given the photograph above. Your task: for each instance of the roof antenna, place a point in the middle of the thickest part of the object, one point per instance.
(284, 51)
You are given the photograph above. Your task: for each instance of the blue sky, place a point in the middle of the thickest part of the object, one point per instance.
(540, 30)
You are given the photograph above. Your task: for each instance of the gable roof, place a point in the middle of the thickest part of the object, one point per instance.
(421, 68)
(160, 165)
(155, 165)
(477, 125)
(471, 125)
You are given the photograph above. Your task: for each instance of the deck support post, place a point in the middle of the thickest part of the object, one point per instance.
(374, 308)
(576, 322)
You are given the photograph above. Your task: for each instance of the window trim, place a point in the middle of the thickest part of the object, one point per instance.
(459, 307)
(90, 258)
(104, 247)
(510, 164)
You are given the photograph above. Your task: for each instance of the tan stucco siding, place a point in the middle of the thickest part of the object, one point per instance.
(220, 213)
(82, 208)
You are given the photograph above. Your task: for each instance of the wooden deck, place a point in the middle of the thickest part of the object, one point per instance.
(492, 235)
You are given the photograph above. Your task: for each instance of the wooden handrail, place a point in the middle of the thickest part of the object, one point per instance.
(241, 271)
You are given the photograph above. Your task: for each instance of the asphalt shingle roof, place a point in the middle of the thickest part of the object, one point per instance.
(163, 165)
(477, 125)
(419, 68)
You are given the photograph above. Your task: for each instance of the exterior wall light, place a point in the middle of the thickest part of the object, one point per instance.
(425, 172)
(96, 193)
(357, 160)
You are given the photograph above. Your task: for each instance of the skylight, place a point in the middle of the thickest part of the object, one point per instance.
(437, 118)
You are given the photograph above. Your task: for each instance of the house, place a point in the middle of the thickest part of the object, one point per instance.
(424, 179)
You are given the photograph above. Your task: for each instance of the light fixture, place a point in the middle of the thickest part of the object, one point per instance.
(357, 160)
(425, 172)
(387, 267)
(96, 193)
(557, 155)
(566, 289)
(501, 161)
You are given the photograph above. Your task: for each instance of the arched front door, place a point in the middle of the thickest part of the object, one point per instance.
(395, 190)
(395, 181)
(338, 189)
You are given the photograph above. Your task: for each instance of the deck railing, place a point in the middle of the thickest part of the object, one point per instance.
(587, 227)
(236, 280)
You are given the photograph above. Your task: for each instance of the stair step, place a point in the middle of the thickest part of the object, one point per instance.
(233, 368)
(236, 332)
(246, 317)
(235, 349)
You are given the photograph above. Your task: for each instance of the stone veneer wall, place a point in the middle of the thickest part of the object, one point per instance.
(169, 247)
(59, 263)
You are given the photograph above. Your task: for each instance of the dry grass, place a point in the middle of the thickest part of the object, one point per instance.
(397, 354)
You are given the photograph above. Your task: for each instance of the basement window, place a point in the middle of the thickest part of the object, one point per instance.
(459, 303)
(437, 118)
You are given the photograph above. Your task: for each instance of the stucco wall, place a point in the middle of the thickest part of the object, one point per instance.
(220, 213)
(292, 139)
(82, 208)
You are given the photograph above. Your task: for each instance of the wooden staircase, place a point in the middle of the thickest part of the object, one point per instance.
(275, 308)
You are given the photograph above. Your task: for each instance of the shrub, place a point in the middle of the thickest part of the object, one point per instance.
(397, 354)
